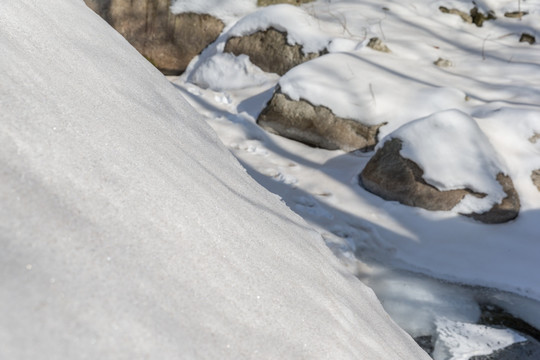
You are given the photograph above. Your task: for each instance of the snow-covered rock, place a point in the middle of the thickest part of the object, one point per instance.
(418, 165)
(269, 50)
(128, 231)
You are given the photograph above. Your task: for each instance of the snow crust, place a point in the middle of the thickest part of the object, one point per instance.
(454, 153)
(129, 231)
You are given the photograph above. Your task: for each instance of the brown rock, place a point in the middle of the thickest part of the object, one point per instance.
(528, 38)
(269, 50)
(168, 41)
(393, 177)
(315, 125)
(376, 44)
(507, 210)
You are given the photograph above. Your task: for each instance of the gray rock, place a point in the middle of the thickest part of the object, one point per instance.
(393, 177)
(315, 125)
(528, 38)
(269, 50)
(168, 41)
(535, 176)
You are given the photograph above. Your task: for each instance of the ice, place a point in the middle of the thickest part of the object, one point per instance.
(461, 341)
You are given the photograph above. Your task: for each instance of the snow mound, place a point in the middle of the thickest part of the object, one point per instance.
(353, 86)
(129, 231)
(454, 153)
(225, 71)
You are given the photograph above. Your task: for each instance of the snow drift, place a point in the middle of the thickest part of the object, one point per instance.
(127, 229)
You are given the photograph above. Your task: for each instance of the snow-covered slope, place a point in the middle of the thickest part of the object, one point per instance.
(128, 231)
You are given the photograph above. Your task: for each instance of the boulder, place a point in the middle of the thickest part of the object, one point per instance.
(315, 125)
(168, 41)
(395, 178)
(269, 50)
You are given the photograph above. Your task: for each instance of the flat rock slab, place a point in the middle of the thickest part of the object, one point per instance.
(167, 40)
(315, 125)
(395, 178)
(269, 50)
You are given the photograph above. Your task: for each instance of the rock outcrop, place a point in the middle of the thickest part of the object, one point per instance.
(168, 41)
(393, 177)
(269, 50)
(315, 125)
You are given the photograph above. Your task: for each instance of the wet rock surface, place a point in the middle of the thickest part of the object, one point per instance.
(315, 125)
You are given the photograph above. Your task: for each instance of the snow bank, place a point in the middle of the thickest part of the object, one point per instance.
(128, 231)
(225, 71)
(454, 153)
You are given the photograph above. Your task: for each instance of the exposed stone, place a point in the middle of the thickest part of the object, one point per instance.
(464, 16)
(444, 63)
(478, 18)
(269, 50)
(315, 125)
(473, 17)
(376, 44)
(168, 41)
(507, 210)
(515, 14)
(528, 38)
(535, 176)
(393, 177)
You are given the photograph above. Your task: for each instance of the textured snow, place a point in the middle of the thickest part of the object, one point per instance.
(128, 231)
